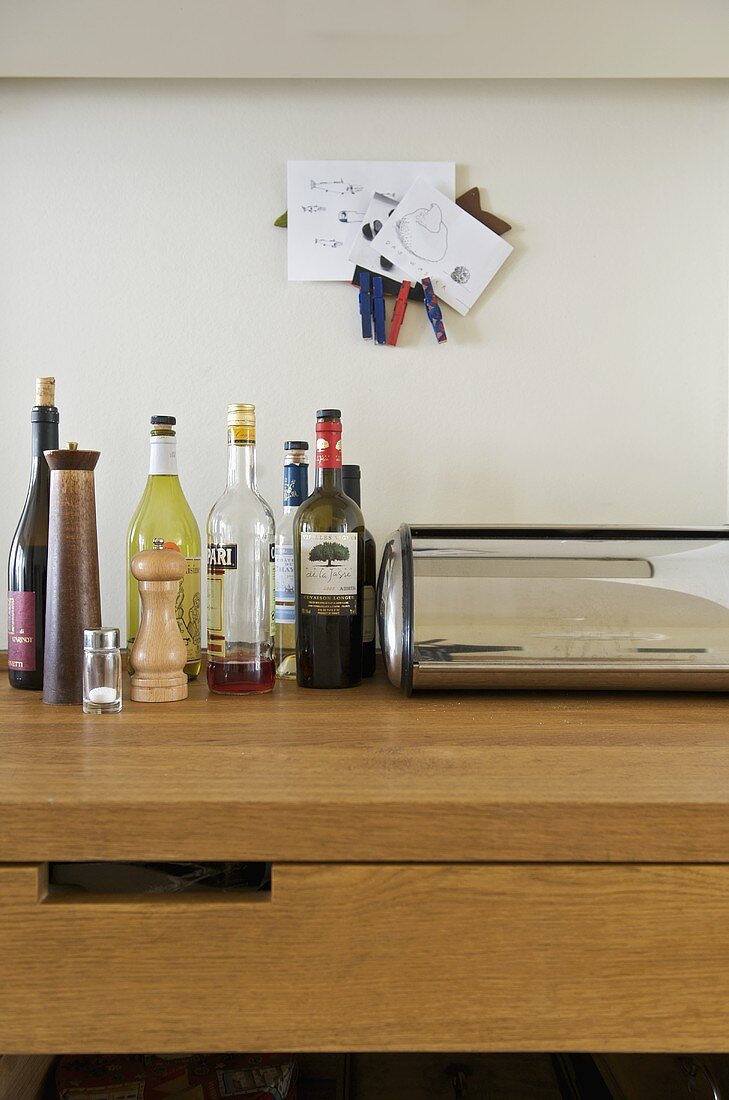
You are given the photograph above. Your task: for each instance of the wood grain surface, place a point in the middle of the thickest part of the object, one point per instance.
(367, 957)
(366, 774)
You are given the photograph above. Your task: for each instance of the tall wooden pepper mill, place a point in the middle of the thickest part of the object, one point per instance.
(73, 599)
(159, 652)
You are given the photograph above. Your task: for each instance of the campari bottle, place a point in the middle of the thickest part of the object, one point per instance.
(329, 561)
(241, 538)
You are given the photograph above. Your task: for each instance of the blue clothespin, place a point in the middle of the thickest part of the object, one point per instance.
(433, 310)
(365, 305)
(378, 309)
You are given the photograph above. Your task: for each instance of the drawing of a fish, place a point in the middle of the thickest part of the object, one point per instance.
(312, 209)
(339, 187)
(328, 242)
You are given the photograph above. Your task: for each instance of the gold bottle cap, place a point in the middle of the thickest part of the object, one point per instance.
(45, 391)
(73, 446)
(241, 414)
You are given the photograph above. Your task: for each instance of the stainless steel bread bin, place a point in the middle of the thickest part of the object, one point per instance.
(555, 607)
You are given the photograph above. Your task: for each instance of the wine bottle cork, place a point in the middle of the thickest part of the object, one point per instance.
(45, 391)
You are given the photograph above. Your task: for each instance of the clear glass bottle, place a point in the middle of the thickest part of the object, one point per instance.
(164, 511)
(329, 561)
(241, 538)
(102, 673)
(295, 491)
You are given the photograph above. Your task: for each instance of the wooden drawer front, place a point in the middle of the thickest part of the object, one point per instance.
(375, 957)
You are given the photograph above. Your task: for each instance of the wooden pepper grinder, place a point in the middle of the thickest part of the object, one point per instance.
(73, 599)
(159, 653)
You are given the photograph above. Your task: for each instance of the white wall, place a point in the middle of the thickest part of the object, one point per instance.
(139, 264)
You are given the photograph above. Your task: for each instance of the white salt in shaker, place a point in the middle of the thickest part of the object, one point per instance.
(102, 672)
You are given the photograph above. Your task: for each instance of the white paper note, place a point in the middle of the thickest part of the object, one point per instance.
(429, 235)
(328, 200)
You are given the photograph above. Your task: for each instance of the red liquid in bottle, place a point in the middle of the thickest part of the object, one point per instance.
(241, 677)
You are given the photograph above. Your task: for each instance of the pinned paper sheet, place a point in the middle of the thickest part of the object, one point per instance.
(328, 201)
(427, 234)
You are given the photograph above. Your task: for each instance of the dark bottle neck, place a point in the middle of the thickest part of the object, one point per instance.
(296, 484)
(329, 478)
(351, 488)
(44, 437)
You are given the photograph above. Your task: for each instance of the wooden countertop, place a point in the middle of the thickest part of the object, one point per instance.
(367, 775)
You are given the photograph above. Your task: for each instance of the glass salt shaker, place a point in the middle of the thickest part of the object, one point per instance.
(102, 672)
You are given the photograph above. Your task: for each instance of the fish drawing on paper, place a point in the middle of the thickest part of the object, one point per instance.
(312, 208)
(351, 216)
(339, 187)
(424, 233)
(328, 242)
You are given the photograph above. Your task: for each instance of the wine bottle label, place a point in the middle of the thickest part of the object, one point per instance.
(368, 613)
(21, 631)
(284, 592)
(188, 610)
(163, 455)
(329, 572)
(296, 485)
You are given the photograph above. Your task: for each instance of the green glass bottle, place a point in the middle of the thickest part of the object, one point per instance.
(329, 569)
(163, 512)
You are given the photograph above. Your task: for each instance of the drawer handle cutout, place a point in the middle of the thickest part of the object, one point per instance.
(198, 883)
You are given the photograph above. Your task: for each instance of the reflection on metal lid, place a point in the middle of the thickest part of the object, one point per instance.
(505, 608)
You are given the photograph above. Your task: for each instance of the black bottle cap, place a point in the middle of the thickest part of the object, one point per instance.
(296, 445)
(163, 420)
(321, 414)
(351, 472)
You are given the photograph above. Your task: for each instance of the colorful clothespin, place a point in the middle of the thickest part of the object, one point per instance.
(434, 314)
(378, 309)
(365, 305)
(399, 312)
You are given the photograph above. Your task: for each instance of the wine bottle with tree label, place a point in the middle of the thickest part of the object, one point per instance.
(329, 562)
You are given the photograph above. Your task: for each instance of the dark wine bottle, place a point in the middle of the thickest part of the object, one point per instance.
(29, 551)
(329, 565)
(351, 480)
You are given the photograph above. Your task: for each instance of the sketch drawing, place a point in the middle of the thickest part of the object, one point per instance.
(460, 275)
(328, 242)
(312, 208)
(424, 233)
(351, 216)
(339, 187)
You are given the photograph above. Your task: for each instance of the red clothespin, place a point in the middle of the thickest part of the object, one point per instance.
(398, 313)
(433, 310)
